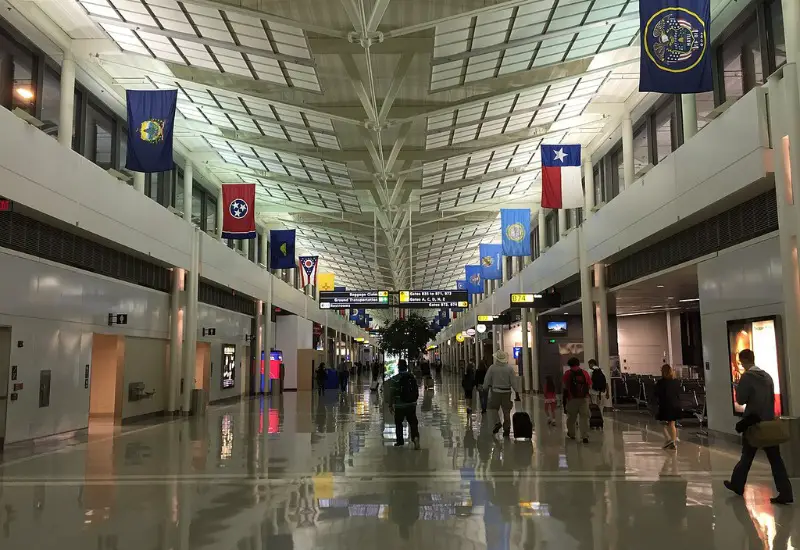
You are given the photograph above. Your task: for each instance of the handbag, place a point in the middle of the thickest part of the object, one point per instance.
(769, 433)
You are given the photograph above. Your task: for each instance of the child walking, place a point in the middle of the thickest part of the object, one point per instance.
(550, 400)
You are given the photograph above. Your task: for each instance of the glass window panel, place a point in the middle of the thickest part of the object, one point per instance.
(618, 172)
(705, 104)
(598, 185)
(777, 33)
(211, 215)
(123, 150)
(641, 153)
(197, 206)
(741, 62)
(17, 76)
(179, 191)
(99, 135)
(51, 102)
(153, 184)
(665, 123)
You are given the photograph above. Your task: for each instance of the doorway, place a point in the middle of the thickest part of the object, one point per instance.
(5, 366)
(107, 377)
(202, 367)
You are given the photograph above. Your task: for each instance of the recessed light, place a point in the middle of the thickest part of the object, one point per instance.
(659, 286)
(689, 300)
(670, 297)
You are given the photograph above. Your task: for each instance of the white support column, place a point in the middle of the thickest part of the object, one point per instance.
(670, 357)
(176, 324)
(190, 334)
(534, 338)
(689, 112)
(505, 274)
(562, 221)
(259, 347)
(627, 150)
(587, 301)
(527, 375)
(410, 251)
(324, 333)
(262, 248)
(791, 28)
(66, 115)
(188, 175)
(246, 248)
(220, 214)
(542, 231)
(138, 181)
(602, 319)
(588, 186)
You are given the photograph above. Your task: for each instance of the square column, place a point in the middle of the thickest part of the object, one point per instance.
(588, 186)
(66, 115)
(542, 231)
(689, 112)
(190, 331)
(627, 150)
(188, 176)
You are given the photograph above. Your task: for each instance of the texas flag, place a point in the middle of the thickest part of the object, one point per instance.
(561, 176)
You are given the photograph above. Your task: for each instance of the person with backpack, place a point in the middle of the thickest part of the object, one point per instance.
(403, 395)
(600, 384)
(322, 376)
(500, 381)
(577, 383)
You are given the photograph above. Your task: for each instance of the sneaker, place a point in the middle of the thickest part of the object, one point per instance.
(781, 500)
(416, 443)
(671, 446)
(497, 428)
(586, 440)
(399, 444)
(669, 443)
(729, 486)
(572, 437)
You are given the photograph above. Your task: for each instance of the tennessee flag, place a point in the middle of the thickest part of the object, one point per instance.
(326, 281)
(239, 213)
(561, 176)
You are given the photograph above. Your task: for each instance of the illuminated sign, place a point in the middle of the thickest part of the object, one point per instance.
(486, 318)
(536, 301)
(6, 205)
(459, 337)
(342, 299)
(481, 328)
(470, 332)
(228, 366)
(359, 339)
(434, 298)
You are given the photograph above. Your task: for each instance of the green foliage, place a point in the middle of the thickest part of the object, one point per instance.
(407, 337)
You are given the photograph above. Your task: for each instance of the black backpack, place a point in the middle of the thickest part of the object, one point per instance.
(578, 388)
(407, 389)
(599, 383)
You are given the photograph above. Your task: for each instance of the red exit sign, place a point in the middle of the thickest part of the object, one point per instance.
(5, 205)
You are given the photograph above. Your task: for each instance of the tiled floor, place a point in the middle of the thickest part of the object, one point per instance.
(302, 473)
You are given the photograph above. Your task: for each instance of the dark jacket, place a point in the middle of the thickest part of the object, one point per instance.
(480, 375)
(668, 399)
(468, 381)
(757, 391)
(393, 387)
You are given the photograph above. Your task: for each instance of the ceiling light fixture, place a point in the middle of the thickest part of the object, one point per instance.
(659, 286)
(687, 300)
(24, 93)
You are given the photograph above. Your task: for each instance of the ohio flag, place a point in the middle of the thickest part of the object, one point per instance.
(561, 176)
(308, 270)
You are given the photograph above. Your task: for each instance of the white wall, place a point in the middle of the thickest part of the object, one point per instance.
(740, 283)
(292, 333)
(642, 343)
(145, 361)
(231, 328)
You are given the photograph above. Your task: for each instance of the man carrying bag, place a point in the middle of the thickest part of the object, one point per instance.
(761, 429)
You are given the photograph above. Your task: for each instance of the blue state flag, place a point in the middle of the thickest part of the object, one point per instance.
(516, 228)
(474, 279)
(151, 123)
(281, 249)
(491, 261)
(675, 46)
(461, 285)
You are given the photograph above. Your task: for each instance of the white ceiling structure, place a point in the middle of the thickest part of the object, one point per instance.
(370, 125)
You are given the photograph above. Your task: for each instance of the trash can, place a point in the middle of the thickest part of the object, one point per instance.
(199, 402)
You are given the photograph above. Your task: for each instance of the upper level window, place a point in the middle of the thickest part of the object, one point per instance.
(99, 135)
(18, 82)
(776, 33)
(666, 126)
(705, 104)
(641, 152)
(211, 215)
(741, 62)
(197, 206)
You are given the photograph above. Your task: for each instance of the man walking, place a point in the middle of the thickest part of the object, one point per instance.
(600, 386)
(756, 391)
(576, 384)
(403, 395)
(500, 381)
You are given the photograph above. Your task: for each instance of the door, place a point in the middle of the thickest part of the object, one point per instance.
(5, 367)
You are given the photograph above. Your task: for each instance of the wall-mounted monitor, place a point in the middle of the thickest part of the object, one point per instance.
(762, 336)
(556, 328)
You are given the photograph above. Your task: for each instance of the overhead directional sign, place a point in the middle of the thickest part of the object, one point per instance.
(536, 301)
(433, 298)
(341, 299)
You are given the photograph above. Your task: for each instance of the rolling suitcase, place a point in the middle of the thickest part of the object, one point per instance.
(428, 383)
(522, 425)
(595, 417)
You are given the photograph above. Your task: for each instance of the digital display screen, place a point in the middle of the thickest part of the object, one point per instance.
(556, 328)
(760, 336)
(228, 366)
(275, 360)
(517, 351)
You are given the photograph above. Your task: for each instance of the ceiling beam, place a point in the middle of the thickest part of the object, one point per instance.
(375, 16)
(433, 23)
(283, 146)
(421, 43)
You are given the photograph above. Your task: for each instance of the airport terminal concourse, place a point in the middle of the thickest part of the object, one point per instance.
(468, 274)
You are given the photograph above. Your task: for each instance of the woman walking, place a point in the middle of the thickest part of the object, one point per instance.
(468, 383)
(668, 400)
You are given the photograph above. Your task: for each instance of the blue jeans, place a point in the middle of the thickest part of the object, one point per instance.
(484, 395)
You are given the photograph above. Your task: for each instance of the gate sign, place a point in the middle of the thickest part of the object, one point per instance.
(434, 299)
(364, 299)
(536, 301)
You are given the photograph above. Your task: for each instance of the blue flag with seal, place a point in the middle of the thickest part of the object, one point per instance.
(491, 261)
(516, 227)
(676, 46)
(151, 124)
(461, 285)
(474, 279)
(281, 249)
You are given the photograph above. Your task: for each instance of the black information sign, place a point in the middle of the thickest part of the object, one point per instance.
(433, 298)
(536, 301)
(341, 299)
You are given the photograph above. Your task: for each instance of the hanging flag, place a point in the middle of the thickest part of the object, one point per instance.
(516, 227)
(239, 213)
(151, 121)
(491, 261)
(561, 176)
(326, 281)
(308, 270)
(461, 285)
(281, 250)
(474, 280)
(353, 314)
(675, 46)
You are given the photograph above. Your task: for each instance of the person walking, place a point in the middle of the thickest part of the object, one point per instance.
(402, 398)
(600, 386)
(756, 391)
(500, 381)
(480, 376)
(550, 400)
(343, 375)
(668, 403)
(468, 384)
(322, 376)
(576, 384)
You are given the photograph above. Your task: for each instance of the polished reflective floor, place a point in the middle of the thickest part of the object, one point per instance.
(303, 472)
